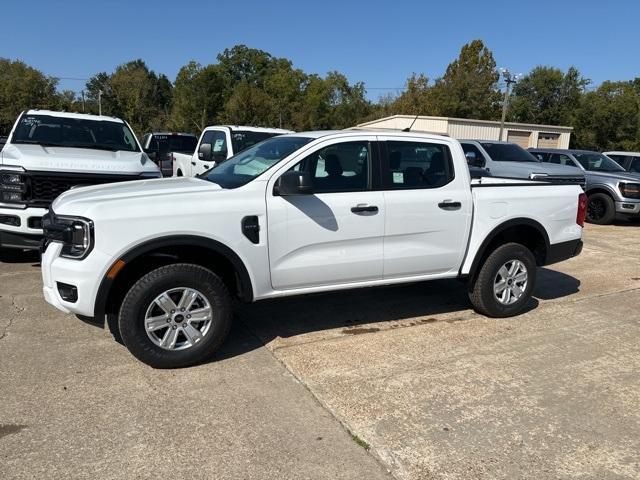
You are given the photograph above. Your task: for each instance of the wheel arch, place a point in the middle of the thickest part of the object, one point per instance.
(526, 231)
(601, 188)
(149, 255)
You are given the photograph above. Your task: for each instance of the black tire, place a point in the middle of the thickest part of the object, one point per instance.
(481, 292)
(131, 318)
(601, 209)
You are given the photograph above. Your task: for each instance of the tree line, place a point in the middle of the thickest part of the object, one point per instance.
(251, 87)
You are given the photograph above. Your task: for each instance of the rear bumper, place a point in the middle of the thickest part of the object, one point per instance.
(563, 251)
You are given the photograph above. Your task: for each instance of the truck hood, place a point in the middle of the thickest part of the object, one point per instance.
(548, 168)
(615, 176)
(156, 192)
(76, 160)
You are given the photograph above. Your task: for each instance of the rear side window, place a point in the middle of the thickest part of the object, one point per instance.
(561, 159)
(507, 152)
(242, 139)
(542, 156)
(410, 165)
(635, 164)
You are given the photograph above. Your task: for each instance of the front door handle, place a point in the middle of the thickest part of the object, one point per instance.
(450, 205)
(362, 208)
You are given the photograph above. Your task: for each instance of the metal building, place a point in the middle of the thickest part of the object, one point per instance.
(524, 134)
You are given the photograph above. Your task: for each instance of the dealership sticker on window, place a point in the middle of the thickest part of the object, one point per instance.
(218, 145)
(398, 177)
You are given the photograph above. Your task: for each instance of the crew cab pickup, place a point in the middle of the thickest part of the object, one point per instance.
(161, 147)
(297, 214)
(216, 144)
(50, 152)
(509, 160)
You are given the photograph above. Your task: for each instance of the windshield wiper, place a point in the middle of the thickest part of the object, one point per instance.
(36, 142)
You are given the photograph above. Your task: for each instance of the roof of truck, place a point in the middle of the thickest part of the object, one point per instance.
(251, 129)
(359, 132)
(85, 116)
(618, 152)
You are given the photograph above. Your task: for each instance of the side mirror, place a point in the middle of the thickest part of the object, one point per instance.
(204, 152)
(220, 156)
(294, 183)
(473, 160)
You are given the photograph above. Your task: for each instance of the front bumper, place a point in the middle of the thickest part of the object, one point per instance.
(628, 207)
(85, 275)
(29, 231)
(563, 251)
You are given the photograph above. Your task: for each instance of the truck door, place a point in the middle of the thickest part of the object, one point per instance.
(428, 208)
(334, 235)
(219, 146)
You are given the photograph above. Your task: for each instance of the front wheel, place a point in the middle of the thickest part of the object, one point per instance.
(600, 209)
(505, 282)
(175, 316)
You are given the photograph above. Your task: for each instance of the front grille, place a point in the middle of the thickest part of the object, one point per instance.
(42, 189)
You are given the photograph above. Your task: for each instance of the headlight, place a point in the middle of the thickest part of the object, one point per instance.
(12, 187)
(630, 190)
(75, 234)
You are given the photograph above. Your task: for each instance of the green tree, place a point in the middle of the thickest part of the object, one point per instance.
(249, 105)
(609, 117)
(21, 88)
(469, 87)
(548, 96)
(416, 99)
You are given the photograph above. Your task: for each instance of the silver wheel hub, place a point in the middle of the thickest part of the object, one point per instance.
(178, 318)
(510, 282)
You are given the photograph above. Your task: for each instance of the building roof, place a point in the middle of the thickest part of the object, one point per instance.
(467, 120)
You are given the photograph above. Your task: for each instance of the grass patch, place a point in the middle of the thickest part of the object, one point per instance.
(360, 441)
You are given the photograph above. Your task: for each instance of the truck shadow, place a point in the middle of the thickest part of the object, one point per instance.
(11, 255)
(346, 312)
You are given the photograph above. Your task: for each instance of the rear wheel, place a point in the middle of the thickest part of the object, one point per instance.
(505, 282)
(600, 209)
(175, 316)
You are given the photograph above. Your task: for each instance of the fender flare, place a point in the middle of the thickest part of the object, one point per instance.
(246, 287)
(514, 222)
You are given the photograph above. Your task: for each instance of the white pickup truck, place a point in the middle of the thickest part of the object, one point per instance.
(48, 153)
(216, 144)
(297, 214)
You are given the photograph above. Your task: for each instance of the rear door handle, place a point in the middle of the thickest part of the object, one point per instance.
(362, 208)
(450, 205)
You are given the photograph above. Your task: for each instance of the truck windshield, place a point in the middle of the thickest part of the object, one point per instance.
(243, 139)
(508, 152)
(52, 131)
(597, 162)
(247, 165)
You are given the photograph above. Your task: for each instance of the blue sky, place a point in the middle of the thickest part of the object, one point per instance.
(379, 43)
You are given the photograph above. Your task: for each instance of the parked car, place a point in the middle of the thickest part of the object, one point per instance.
(630, 161)
(296, 214)
(504, 159)
(611, 190)
(216, 144)
(161, 146)
(51, 152)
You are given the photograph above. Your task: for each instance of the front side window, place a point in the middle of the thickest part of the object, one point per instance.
(342, 167)
(416, 165)
(634, 166)
(52, 131)
(561, 159)
(248, 164)
(597, 162)
(542, 156)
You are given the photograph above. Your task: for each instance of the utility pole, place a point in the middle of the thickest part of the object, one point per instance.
(509, 80)
(99, 102)
(82, 101)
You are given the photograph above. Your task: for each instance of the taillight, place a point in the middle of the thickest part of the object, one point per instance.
(582, 209)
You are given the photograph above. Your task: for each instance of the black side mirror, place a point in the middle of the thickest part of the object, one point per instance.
(204, 152)
(473, 160)
(220, 156)
(294, 183)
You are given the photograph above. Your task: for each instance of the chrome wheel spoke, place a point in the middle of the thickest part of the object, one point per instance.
(192, 333)
(500, 286)
(188, 297)
(165, 303)
(516, 291)
(503, 272)
(155, 323)
(169, 338)
(201, 314)
(520, 277)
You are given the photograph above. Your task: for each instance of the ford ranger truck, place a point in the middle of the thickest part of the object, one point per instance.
(216, 144)
(297, 214)
(48, 153)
